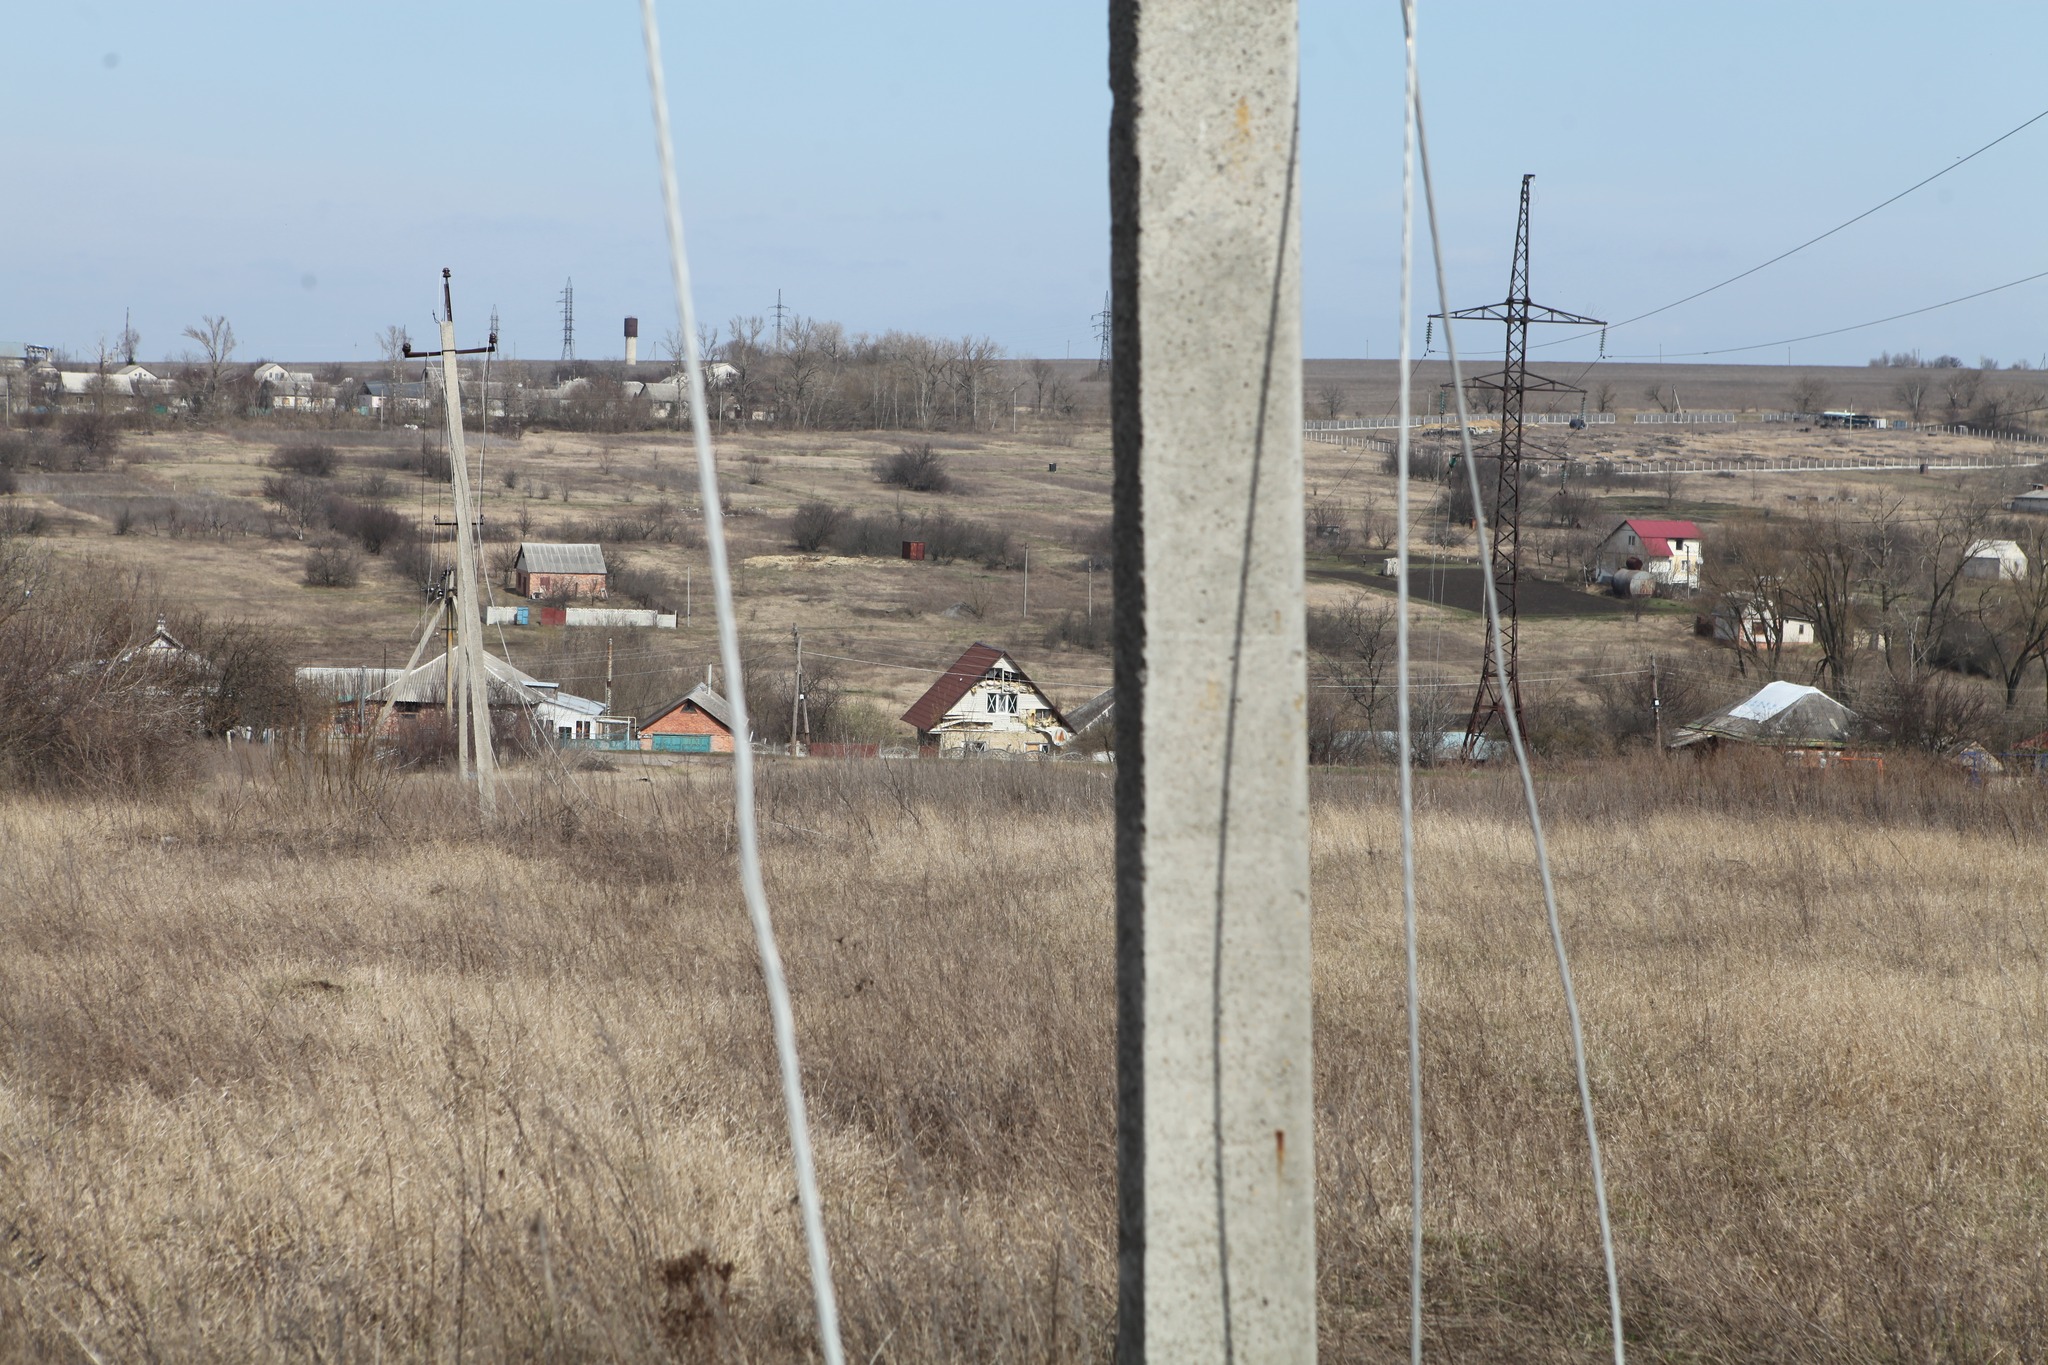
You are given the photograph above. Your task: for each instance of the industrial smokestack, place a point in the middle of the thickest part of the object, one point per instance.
(632, 341)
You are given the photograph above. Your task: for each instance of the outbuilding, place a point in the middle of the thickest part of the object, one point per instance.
(1999, 560)
(985, 704)
(545, 569)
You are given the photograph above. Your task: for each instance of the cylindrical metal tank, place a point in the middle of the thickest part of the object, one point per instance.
(1633, 583)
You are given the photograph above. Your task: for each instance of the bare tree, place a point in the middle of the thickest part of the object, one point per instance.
(392, 341)
(1810, 393)
(1605, 397)
(127, 343)
(1959, 390)
(1330, 401)
(1911, 393)
(2012, 617)
(1746, 580)
(207, 373)
(1041, 372)
(1826, 566)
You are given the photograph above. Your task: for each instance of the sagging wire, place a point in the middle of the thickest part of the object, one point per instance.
(1405, 739)
(744, 818)
(1514, 728)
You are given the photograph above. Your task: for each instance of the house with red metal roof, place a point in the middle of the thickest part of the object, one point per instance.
(985, 704)
(1669, 550)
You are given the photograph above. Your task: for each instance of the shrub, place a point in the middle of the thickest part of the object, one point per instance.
(918, 468)
(1424, 462)
(331, 565)
(308, 459)
(815, 523)
(90, 436)
(370, 524)
(878, 536)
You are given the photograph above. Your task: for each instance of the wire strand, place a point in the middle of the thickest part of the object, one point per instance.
(1404, 739)
(1702, 293)
(1514, 727)
(744, 819)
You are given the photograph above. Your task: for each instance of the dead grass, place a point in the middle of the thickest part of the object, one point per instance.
(305, 1066)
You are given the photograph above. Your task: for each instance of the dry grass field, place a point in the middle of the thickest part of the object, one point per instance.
(298, 1064)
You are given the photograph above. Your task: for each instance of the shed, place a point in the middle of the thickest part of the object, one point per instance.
(1781, 715)
(1999, 560)
(1668, 550)
(551, 569)
(985, 703)
(2034, 500)
(698, 722)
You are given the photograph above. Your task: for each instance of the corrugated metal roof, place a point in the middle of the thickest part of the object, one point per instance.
(541, 556)
(704, 698)
(428, 685)
(1097, 708)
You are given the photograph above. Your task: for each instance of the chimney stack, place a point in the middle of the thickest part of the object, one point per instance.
(632, 341)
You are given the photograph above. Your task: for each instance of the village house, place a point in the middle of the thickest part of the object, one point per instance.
(283, 390)
(984, 704)
(699, 722)
(1998, 560)
(1668, 550)
(546, 569)
(1750, 622)
(2034, 500)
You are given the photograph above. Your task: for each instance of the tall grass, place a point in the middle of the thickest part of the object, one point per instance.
(305, 1063)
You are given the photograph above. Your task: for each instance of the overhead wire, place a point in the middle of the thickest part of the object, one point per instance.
(1516, 743)
(825, 1301)
(1957, 164)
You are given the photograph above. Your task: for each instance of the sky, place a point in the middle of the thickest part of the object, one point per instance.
(941, 167)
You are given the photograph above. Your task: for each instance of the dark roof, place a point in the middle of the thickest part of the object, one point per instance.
(540, 556)
(967, 670)
(704, 698)
(1097, 708)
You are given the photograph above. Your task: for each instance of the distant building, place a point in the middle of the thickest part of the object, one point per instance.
(2034, 500)
(985, 703)
(546, 569)
(1782, 715)
(698, 722)
(1669, 550)
(1753, 623)
(1998, 560)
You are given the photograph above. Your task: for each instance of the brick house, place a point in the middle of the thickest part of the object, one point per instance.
(544, 569)
(699, 722)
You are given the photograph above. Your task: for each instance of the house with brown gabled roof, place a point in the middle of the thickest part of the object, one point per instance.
(984, 704)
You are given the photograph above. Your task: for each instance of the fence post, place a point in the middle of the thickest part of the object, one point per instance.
(1215, 1164)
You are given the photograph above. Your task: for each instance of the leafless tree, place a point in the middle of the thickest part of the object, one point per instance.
(1911, 393)
(1959, 390)
(208, 372)
(1810, 393)
(1041, 380)
(392, 341)
(2012, 616)
(1605, 397)
(1330, 401)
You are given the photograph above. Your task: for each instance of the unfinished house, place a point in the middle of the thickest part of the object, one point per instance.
(986, 704)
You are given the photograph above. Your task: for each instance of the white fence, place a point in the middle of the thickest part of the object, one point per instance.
(1540, 419)
(1682, 419)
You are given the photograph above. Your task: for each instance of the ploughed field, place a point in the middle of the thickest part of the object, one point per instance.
(303, 1064)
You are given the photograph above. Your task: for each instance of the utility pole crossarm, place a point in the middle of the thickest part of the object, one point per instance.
(1529, 312)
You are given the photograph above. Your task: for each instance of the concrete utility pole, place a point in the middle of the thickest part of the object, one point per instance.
(1215, 1158)
(469, 631)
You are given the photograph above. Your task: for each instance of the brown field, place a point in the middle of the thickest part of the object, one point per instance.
(880, 629)
(300, 1065)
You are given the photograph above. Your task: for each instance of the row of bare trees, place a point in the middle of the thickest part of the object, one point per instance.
(1889, 593)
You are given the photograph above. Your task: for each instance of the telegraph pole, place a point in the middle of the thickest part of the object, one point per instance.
(1657, 704)
(1500, 684)
(796, 692)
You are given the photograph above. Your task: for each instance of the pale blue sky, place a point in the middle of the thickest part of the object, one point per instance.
(941, 167)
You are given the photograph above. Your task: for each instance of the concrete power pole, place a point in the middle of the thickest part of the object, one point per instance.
(1215, 1115)
(469, 631)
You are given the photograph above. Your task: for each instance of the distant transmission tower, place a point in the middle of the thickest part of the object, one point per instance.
(779, 313)
(1105, 328)
(1500, 687)
(568, 322)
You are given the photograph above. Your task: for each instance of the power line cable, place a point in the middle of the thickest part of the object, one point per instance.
(1521, 752)
(1835, 331)
(1702, 293)
(744, 819)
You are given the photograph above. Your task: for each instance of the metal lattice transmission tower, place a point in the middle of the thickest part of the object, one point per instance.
(1500, 684)
(1105, 328)
(781, 314)
(568, 321)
